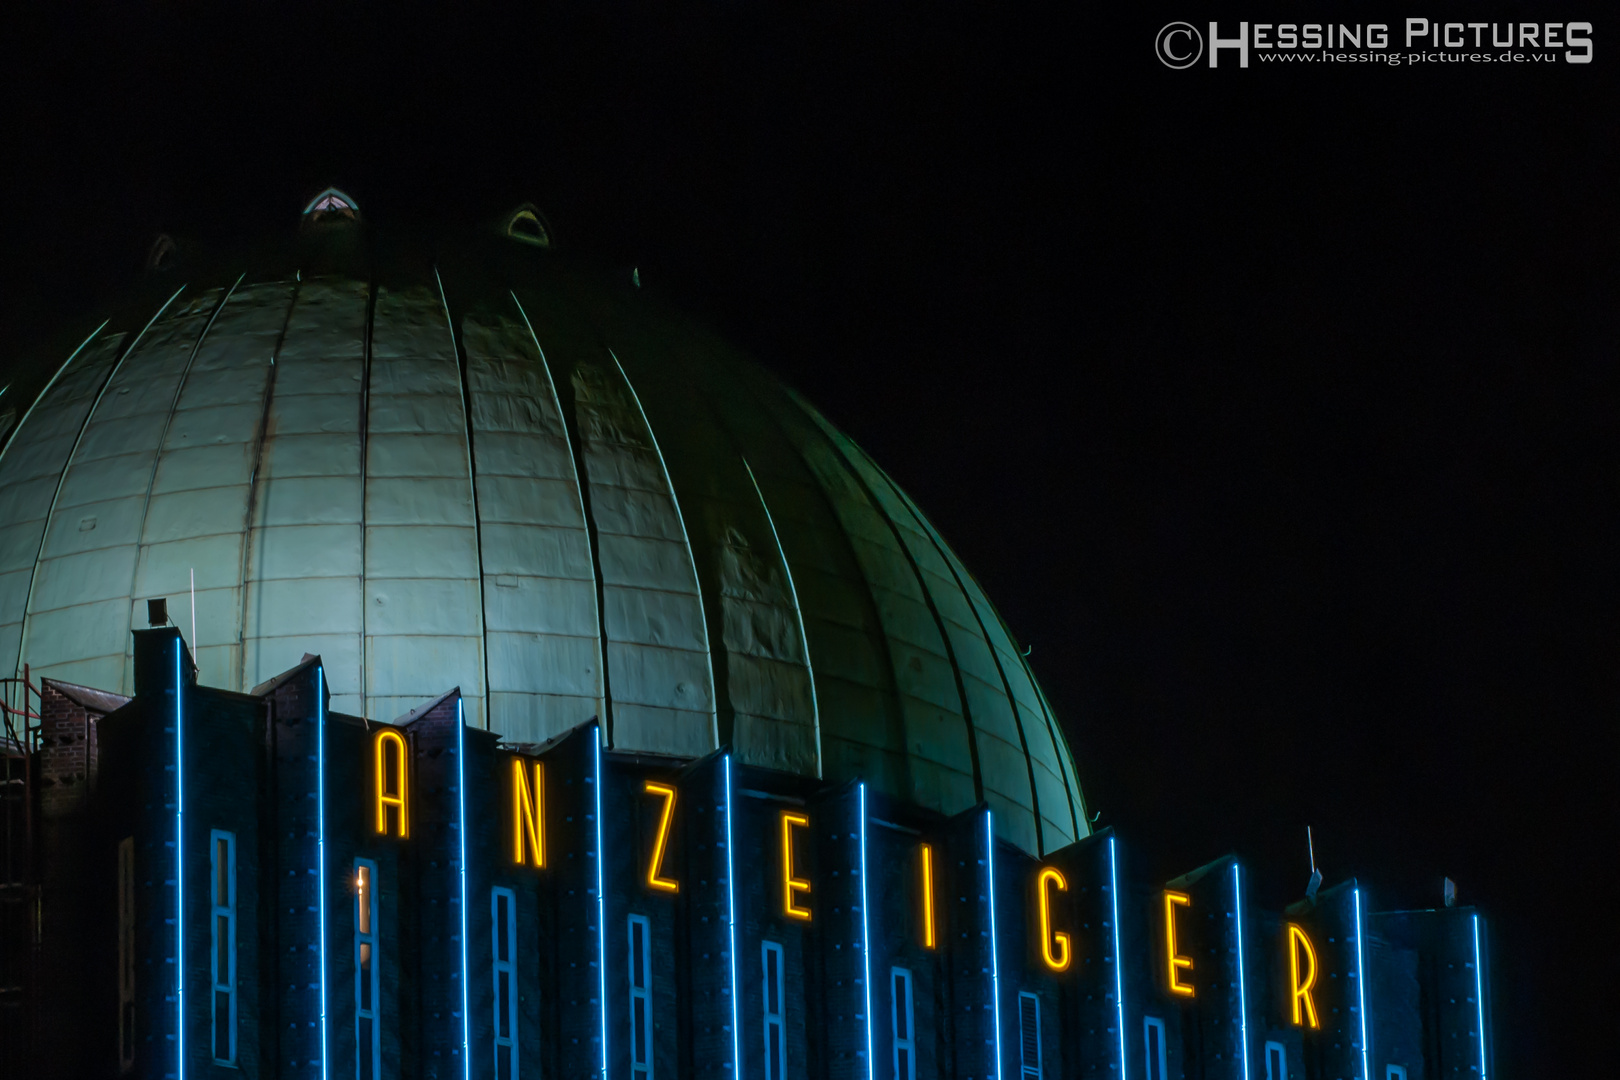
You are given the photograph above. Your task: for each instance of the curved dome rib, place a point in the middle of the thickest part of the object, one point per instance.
(260, 435)
(549, 491)
(768, 709)
(532, 439)
(79, 569)
(855, 675)
(31, 473)
(941, 743)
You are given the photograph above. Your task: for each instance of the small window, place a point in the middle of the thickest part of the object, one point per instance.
(503, 916)
(331, 205)
(367, 964)
(1395, 1072)
(1029, 1036)
(526, 225)
(222, 912)
(775, 1029)
(126, 954)
(905, 1036)
(1276, 1061)
(1153, 1035)
(641, 1050)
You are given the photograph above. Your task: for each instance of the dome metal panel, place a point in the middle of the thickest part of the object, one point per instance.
(565, 501)
(304, 557)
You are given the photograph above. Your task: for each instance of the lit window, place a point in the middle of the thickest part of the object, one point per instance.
(126, 954)
(775, 1029)
(1395, 1072)
(641, 1052)
(1153, 1034)
(1029, 1036)
(222, 882)
(1276, 1061)
(367, 1032)
(331, 205)
(905, 1036)
(503, 912)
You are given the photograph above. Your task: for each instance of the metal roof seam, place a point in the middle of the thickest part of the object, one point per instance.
(746, 376)
(686, 538)
(11, 436)
(163, 438)
(606, 699)
(798, 612)
(33, 575)
(820, 425)
(472, 484)
(259, 438)
(1006, 686)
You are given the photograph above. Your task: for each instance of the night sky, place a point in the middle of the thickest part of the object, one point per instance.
(1275, 409)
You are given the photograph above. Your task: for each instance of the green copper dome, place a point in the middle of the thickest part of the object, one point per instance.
(489, 467)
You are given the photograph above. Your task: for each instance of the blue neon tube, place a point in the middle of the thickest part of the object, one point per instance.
(179, 865)
(1119, 959)
(731, 930)
(1479, 998)
(1243, 990)
(1361, 986)
(461, 827)
(866, 941)
(601, 908)
(320, 838)
(995, 963)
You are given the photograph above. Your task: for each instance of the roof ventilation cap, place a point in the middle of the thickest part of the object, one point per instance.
(526, 225)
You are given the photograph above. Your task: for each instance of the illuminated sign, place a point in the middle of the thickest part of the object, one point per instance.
(390, 744)
(1054, 946)
(1175, 964)
(1300, 987)
(528, 814)
(925, 860)
(654, 877)
(792, 886)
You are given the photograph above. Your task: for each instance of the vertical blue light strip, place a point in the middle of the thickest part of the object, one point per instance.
(731, 931)
(1243, 989)
(320, 839)
(601, 907)
(866, 941)
(1479, 998)
(995, 961)
(461, 828)
(1361, 986)
(1119, 959)
(179, 868)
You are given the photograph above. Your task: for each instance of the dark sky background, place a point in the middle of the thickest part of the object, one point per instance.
(1275, 408)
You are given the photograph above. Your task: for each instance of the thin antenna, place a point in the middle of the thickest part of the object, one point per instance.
(1316, 875)
(194, 667)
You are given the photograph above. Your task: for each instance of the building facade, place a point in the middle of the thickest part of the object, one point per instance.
(258, 885)
(741, 776)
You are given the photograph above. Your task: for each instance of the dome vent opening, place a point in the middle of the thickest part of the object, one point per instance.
(527, 226)
(162, 253)
(331, 205)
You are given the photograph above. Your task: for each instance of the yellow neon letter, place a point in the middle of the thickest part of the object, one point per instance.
(926, 853)
(790, 884)
(1302, 987)
(654, 878)
(1054, 946)
(528, 813)
(1173, 900)
(388, 737)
